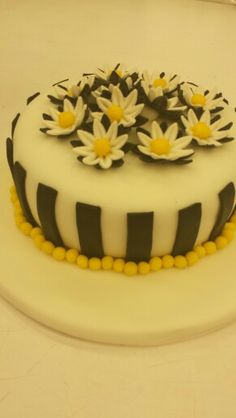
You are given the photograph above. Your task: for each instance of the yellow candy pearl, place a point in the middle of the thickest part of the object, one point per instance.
(230, 225)
(94, 263)
(107, 262)
(19, 220)
(155, 263)
(180, 262)
(233, 219)
(200, 251)
(201, 130)
(143, 267)
(14, 198)
(221, 242)
(118, 265)
(72, 255)
(38, 241)
(18, 211)
(210, 247)
(130, 268)
(59, 253)
(17, 205)
(228, 234)
(13, 189)
(167, 261)
(115, 112)
(66, 119)
(35, 231)
(26, 228)
(47, 247)
(82, 261)
(198, 99)
(192, 258)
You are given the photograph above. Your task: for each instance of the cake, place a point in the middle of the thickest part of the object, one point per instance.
(125, 171)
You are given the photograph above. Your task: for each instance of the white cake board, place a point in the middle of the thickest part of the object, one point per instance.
(107, 307)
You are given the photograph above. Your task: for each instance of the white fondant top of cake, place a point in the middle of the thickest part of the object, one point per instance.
(134, 185)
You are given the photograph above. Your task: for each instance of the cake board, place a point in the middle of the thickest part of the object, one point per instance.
(163, 307)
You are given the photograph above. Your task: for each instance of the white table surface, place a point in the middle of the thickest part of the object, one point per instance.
(46, 374)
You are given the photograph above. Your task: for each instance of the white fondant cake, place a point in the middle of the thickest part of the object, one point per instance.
(143, 208)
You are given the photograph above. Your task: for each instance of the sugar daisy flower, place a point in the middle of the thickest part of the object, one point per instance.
(105, 73)
(102, 147)
(198, 97)
(158, 83)
(164, 146)
(203, 131)
(119, 108)
(72, 90)
(66, 121)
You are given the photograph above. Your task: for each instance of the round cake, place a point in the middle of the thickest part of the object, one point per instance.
(126, 167)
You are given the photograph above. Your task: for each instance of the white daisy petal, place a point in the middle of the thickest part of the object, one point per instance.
(119, 97)
(117, 154)
(91, 159)
(103, 103)
(119, 142)
(211, 94)
(51, 124)
(186, 123)
(172, 132)
(181, 142)
(181, 153)
(105, 162)
(98, 129)
(84, 151)
(86, 137)
(54, 113)
(192, 117)
(219, 135)
(145, 139)
(97, 115)
(112, 131)
(59, 131)
(206, 118)
(144, 150)
(131, 99)
(156, 130)
(68, 107)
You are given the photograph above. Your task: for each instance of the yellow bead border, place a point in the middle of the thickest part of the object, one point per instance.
(119, 265)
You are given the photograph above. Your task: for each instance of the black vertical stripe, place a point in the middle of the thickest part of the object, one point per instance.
(46, 204)
(226, 198)
(189, 220)
(9, 150)
(31, 98)
(88, 218)
(20, 178)
(139, 236)
(13, 124)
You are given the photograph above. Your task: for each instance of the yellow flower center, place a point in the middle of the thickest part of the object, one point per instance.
(102, 147)
(198, 99)
(201, 130)
(69, 92)
(66, 119)
(160, 146)
(119, 73)
(160, 82)
(115, 112)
